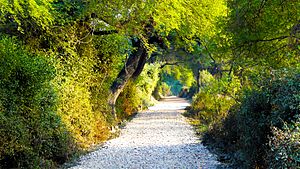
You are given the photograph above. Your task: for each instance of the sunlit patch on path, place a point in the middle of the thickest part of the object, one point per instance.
(157, 138)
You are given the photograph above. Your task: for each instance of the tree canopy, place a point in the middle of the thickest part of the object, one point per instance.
(85, 65)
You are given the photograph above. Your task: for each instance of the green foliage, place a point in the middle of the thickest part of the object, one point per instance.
(137, 95)
(76, 110)
(277, 103)
(63, 101)
(186, 77)
(254, 128)
(188, 18)
(44, 105)
(129, 16)
(176, 77)
(147, 81)
(26, 16)
(164, 89)
(284, 146)
(168, 85)
(206, 78)
(129, 101)
(66, 11)
(180, 73)
(216, 96)
(263, 36)
(255, 42)
(30, 128)
(264, 125)
(85, 73)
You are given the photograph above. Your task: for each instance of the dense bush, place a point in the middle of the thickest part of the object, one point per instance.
(72, 90)
(275, 104)
(129, 101)
(174, 78)
(216, 96)
(147, 82)
(284, 151)
(262, 130)
(164, 89)
(32, 134)
(84, 76)
(79, 98)
(137, 94)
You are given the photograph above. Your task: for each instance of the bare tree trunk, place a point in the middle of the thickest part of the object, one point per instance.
(131, 69)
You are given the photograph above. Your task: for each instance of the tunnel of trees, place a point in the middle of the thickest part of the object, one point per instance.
(71, 70)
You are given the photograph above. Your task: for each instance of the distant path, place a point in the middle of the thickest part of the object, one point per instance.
(157, 138)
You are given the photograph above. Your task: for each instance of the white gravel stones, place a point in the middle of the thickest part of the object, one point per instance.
(159, 138)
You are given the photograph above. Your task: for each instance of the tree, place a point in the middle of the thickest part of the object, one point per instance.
(149, 25)
(265, 35)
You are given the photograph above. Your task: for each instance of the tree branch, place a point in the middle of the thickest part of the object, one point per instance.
(209, 54)
(261, 40)
(268, 40)
(105, 32)
(168, 64)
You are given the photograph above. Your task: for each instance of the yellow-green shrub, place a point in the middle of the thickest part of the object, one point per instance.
(75, 109)
(146, 83)
(137, 95)
(84, 74)
(129, 101)
(82, 101)
(32, 133)
(164, 89)
(216, 96)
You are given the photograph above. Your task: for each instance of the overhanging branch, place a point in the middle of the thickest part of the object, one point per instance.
(268, 40)
(209, 54)
(105, 32)
(169, 64)
(251, 42)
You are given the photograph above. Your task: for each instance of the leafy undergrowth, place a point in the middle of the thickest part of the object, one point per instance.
(32, 133)
(261, 130)
(50, 111)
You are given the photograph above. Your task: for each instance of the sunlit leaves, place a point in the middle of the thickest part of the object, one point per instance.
(25, 14)
(189, 18)
(181, 73)
(127, 16)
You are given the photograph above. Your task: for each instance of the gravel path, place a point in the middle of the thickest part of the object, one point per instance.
(157, 138)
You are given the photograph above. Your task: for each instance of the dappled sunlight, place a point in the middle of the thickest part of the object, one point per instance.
(72, 73)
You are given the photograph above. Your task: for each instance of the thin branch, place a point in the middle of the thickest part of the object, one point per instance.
(89, 33)
(261, 40)
(125, 66)
(268, 40)
(209, 54)
(169, 64)
(105, 32)
(262, 5)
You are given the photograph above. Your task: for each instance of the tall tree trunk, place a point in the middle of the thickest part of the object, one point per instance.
(141, 65)
(131, 69)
